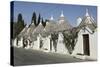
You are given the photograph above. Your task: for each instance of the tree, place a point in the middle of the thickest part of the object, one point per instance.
(39, 18)
(34, 18)
(20, 23)
(70, 39)
(54, 38)
(18, 26)
(14, 32)
(43, 22)
(19, 17)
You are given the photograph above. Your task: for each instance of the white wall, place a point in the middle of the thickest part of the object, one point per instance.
(79, 45)
(36, 43)
(46, 43)
(93, 46)
(14, 42)
(53, 49)
(61, 48)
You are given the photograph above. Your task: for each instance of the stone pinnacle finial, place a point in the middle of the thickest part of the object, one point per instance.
(51, 17)
(62, 15)
(87, 14)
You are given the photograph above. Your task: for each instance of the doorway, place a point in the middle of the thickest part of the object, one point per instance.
(86, 47)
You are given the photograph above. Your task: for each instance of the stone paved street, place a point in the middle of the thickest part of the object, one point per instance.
(34, 57)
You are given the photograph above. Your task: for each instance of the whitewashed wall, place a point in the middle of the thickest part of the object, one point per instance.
(61, 48)
(53, 49)
(36, 43)
(14, 42)
(20, 42)
(93, 46)
(46, 44)
(79, 45)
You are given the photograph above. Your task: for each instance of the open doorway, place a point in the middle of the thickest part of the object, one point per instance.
(86, 44)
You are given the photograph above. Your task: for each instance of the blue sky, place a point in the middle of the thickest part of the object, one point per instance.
(71, 12)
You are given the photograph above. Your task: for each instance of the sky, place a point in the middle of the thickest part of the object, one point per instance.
(71, 12)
